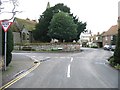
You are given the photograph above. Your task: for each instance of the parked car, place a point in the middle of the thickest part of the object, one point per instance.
(106, 47)
(113, 47)
(109, 47)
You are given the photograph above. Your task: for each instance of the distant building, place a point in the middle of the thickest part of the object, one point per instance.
(96, 40)
(85, 38)
(48, 5)
(22, 30)
(109, 37)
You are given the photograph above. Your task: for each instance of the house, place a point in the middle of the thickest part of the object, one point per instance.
(109, 37)
(85, 38)
(22, 30)
(96, 40)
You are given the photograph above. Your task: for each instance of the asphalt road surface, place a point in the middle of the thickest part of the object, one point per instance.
(86, 69)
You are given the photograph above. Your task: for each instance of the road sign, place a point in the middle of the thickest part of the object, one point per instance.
(5, 25)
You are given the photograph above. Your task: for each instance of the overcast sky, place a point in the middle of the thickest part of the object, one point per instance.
(100, 15)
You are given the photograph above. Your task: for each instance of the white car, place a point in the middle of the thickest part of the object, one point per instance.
(106, 47)
(113, 47)
(109, 47)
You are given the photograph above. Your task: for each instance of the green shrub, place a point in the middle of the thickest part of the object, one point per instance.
(113, 63)
(117, 49)
(117, 66)
(54, 49)
(111, 60)
(94, 46)
(27, 48)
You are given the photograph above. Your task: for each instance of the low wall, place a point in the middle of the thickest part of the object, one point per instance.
(49, 47)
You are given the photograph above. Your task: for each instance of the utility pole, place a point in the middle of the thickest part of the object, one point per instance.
(0, 42)
(118, 15)
(119, 22)
(119, 38)
(0, 5)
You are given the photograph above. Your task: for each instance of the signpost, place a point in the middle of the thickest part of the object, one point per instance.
(119, 14)
(5, 25)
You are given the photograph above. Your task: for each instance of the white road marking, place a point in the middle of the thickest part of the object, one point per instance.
(47, 57)
(68, 72)
(71, 59)
(99, 63)
(62, 57)
(32, 56)
(112, 52)
(107, 61)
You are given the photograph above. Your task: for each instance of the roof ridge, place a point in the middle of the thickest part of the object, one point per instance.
(111, 31)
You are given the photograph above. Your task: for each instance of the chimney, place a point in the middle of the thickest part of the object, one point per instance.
(98, 33)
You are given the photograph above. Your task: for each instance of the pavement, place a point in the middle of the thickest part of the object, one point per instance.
(18, 65)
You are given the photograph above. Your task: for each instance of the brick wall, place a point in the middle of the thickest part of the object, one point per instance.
(106, 41)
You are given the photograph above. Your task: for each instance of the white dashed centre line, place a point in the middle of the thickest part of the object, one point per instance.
(71, 59)
(68, 72)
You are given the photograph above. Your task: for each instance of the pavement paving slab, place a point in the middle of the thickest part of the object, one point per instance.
(19, 64)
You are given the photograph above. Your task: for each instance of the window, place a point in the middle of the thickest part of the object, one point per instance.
(23, 36)
(106, 38)
(96, 38)
(111, 37)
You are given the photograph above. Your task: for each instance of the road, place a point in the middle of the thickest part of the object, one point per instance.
(86, 69)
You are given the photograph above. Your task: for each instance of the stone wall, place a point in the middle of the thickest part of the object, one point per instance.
(16, 37)
(49, 47)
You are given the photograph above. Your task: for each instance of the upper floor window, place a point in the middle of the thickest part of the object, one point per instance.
(96, 38)
(111, 37)
(106, 38)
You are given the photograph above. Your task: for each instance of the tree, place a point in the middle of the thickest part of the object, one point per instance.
(117, 50)
(81, 26)
(62, 27)
(40, 34)
(11, 13)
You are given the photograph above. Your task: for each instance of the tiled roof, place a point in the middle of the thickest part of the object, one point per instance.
(112, 31)
(29, 25)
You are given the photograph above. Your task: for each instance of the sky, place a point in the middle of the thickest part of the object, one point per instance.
(100, 15)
